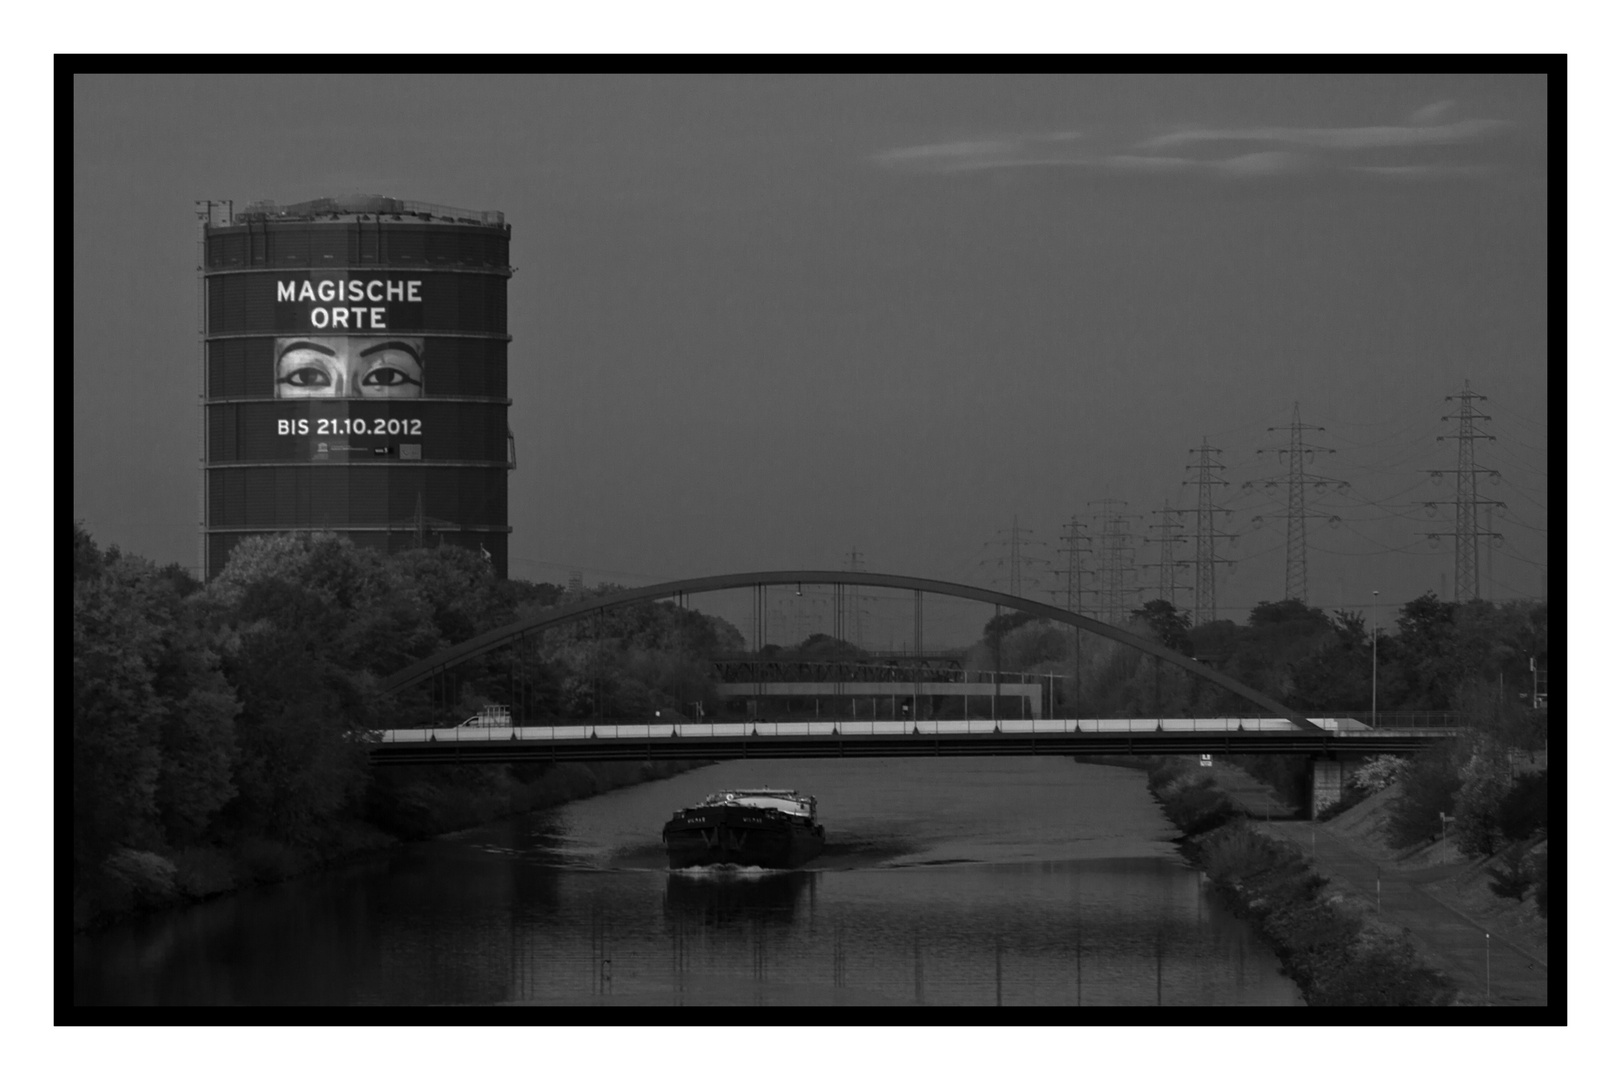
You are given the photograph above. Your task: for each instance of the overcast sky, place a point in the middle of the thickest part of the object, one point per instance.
(760, 322)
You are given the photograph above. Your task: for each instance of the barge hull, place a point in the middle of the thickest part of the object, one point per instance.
(742, 839)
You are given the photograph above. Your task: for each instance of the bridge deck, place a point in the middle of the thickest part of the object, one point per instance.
(889, 738)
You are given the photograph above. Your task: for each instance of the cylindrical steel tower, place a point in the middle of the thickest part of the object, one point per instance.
(355, 375)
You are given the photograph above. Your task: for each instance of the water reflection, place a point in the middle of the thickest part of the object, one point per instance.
(723, 898)
(979, 906)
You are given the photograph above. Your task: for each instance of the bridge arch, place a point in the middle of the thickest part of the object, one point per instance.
(494, 639)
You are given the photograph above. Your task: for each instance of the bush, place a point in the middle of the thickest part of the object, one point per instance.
(204, 871)
(1378, 773)
(1381, 970)
(1514, 877)
(1165, 770)
(142, 878)
(1352, 796)
(1523, 811)
(1198, 807)
(265, 860)
(1325, 946)
(1236, 852)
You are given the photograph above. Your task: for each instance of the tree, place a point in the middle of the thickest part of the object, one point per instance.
(1005, 622)
(1419, 667)
(1429, 788)
(1484, 782)
(1169, 626)
(315, 621)
(629, 661)
(1280, 633)
(1337, 673)
(152, 739)
(117, 717)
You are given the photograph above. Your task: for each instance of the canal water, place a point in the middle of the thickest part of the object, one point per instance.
(961, 881)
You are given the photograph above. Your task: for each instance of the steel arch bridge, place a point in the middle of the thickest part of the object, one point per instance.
(495, 639)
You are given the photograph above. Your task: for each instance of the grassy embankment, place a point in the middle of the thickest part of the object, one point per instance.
(403, 804)
(1336, 956)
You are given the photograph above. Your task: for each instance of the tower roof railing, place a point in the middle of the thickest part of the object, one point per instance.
(381, 205)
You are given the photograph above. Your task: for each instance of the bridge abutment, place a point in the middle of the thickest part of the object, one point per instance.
(1327, 783)
(1329, 777)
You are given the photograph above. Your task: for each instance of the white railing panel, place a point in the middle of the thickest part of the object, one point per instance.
(1052, 726)
(950, 727)
(890, 727)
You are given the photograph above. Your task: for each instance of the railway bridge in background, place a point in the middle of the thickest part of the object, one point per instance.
(1281, 730)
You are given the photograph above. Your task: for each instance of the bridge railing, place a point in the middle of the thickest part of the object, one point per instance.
(779, 728)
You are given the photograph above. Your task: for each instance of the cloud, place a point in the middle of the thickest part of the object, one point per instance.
(949, 155)
(1236, 153)
(1266, 163)
(1357, 138)
(1425, 172)
(1432, 113)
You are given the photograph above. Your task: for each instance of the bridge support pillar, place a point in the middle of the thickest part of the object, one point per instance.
(1327, 783)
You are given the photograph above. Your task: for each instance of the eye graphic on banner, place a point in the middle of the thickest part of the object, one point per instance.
(348, 367)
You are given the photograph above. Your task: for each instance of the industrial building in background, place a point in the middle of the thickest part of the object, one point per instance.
(354, 375)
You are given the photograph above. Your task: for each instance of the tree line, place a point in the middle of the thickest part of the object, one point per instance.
(1471, 660)
(220, 730)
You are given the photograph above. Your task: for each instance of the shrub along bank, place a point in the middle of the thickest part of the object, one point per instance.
(1335, 955)
(404, 804)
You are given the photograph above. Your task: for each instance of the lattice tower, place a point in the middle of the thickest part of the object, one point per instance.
(1299, 453)
(1204, 532)
(1115, 558)
(1169, 535)
(1466, 531)
(1076, 543)
(1013, 564)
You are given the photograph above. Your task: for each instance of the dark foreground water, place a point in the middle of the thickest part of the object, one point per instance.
(1019, 881)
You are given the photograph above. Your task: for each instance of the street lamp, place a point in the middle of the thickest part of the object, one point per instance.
(1375, 721)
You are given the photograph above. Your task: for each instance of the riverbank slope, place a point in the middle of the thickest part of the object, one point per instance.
(1329, 946)
(1432, 895)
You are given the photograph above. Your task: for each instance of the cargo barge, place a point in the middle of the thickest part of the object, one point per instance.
(772, 828)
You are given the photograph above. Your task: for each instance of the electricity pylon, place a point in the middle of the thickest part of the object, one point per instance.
(1205, 534)
(1298, 454)
(1466, 531)
(1168, 527)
